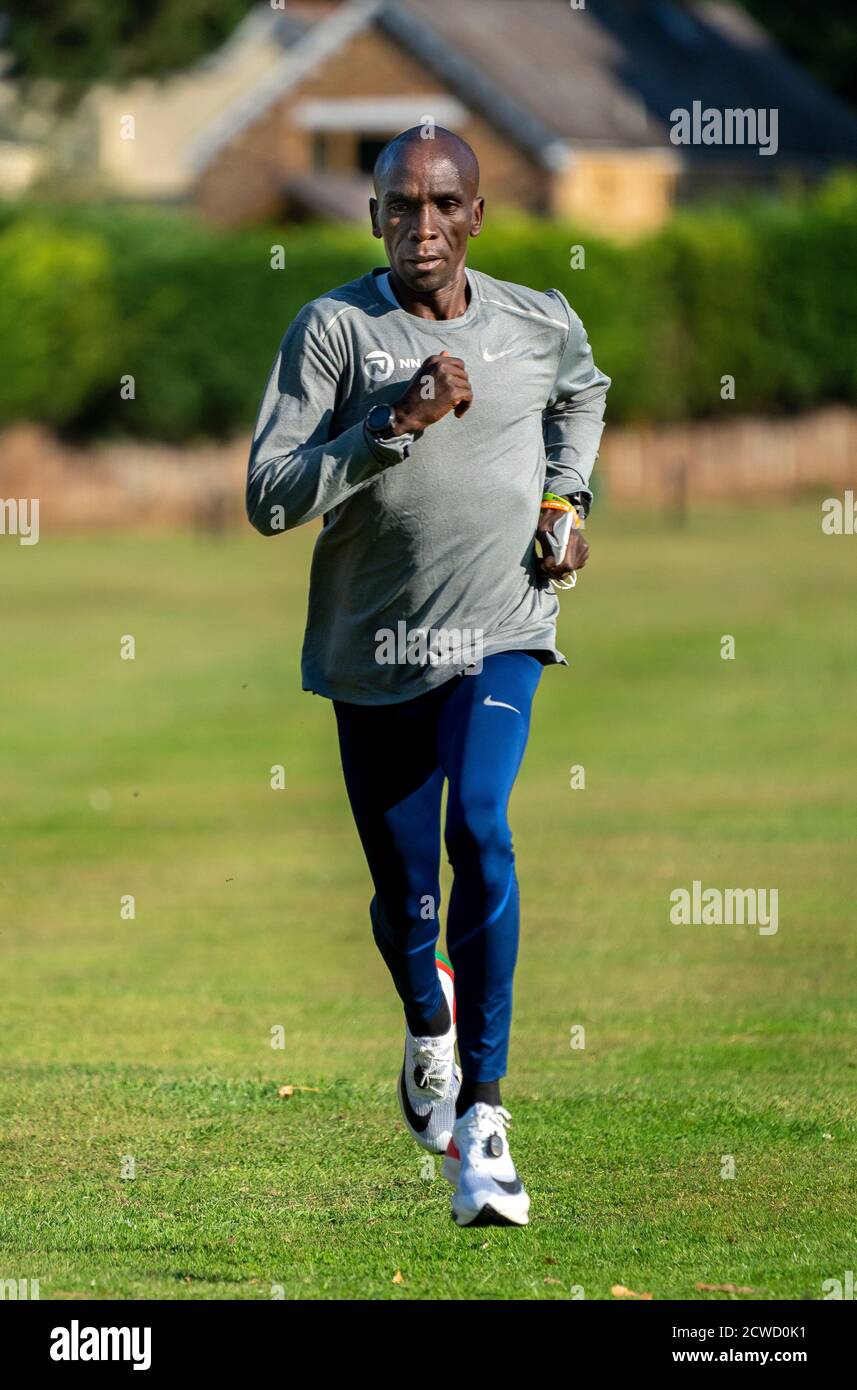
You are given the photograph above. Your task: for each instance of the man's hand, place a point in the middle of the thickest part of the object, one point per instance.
(438, 386)
(576, 552)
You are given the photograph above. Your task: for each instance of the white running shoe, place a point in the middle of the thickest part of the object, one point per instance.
(430, 1079)
(488, 1191)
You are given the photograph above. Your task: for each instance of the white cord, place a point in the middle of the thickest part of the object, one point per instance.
(567, 583)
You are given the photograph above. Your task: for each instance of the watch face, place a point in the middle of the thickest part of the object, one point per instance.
(380, 418)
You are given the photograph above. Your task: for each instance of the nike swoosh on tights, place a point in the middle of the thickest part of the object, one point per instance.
(499, 704)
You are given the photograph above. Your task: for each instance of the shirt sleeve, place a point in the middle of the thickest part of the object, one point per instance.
(574, 416)
(299, 466)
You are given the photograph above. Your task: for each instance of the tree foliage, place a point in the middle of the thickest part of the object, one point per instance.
(78, 42)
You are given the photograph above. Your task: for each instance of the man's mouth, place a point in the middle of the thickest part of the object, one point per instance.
(426, 262)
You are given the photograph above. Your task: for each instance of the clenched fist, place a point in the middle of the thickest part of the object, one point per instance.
(576, 551)
(439, 386)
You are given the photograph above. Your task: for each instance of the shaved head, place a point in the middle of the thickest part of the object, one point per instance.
(426, 206)
(442, 144)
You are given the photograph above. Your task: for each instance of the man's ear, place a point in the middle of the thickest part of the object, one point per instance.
(373, 213)
(476, 216)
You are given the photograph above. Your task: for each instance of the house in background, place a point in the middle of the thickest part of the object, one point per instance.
(569, 109)
(23, 135)
(170, 115)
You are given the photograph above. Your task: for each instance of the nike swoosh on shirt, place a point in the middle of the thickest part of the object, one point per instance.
(492, 356)
(499, 704)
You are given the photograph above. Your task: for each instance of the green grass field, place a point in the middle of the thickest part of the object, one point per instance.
(150, 1038)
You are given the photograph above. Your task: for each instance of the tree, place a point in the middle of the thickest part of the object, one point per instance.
(822, 37)
(78, 42)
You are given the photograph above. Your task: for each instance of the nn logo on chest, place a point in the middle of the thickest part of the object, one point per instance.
(379, 365)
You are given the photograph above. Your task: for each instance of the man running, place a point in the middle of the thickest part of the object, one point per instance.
(442, 423)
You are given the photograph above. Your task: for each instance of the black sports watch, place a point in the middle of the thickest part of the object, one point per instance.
(379, 421)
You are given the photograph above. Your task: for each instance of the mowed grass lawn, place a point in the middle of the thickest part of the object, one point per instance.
(151, 1038)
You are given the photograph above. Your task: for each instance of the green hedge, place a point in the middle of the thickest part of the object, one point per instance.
(57, 319)
(89, 296)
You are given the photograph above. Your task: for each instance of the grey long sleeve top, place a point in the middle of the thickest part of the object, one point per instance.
(433, 534)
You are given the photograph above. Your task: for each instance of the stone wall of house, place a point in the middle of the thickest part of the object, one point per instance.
(621, 192)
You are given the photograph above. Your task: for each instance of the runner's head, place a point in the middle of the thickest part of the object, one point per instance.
(426, 205)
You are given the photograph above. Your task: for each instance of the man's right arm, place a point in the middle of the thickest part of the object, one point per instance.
(297, 470)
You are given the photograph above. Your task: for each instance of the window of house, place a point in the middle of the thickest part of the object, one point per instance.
(368, 149)
(319, 150)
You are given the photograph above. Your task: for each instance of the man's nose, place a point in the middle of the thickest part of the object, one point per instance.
(423, 228)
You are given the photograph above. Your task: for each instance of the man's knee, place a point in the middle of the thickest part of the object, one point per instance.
(397, 913)
(478, 837)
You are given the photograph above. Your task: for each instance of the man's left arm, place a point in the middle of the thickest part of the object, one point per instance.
(572, 424)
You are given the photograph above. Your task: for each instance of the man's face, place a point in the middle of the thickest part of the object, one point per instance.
(425, 211)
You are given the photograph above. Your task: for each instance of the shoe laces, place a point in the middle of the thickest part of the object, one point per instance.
(484, 1120)
(433, 1058)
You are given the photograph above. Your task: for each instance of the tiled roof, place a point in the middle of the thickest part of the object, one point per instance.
(553, 78)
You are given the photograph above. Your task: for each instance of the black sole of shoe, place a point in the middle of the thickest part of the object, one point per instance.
(487, 1217)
